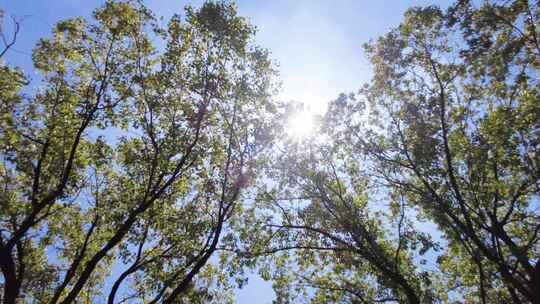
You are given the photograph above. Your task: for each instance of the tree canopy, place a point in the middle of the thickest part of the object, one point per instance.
(152, 164)
(131, 154)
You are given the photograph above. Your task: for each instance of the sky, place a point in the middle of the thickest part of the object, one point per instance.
(317, 44)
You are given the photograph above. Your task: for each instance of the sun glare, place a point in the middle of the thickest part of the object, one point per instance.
(301, 124)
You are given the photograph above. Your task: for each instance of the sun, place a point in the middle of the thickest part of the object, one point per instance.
(301, 124)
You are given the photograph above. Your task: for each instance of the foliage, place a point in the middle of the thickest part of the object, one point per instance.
(151, 164)
(129, 160)
(423, 186)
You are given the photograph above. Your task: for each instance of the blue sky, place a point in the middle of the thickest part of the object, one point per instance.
(318, 45)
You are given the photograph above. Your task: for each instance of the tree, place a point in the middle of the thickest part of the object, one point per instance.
(344, 248)
(132, 154)
(447, 132)
(148, 152)
(459, 92)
